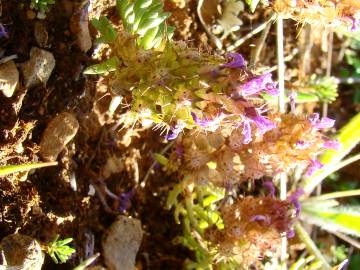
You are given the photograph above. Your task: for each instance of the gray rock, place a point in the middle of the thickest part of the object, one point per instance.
(121, 243)
(38, 69)
(9, 78)
(21, 251)
(79, 26)
(59, 132)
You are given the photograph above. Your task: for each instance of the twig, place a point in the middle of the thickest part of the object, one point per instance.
(310, 245)
(328, 65)
(348, 239)
(337, 194)
(281, 105)
(251, 34)
(259, 45)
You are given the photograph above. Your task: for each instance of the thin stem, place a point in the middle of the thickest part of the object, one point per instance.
(249, 35)
(328, 65)
(312, 183)
(338, 194)
(281, 106)
(260, 45)
(310, 245)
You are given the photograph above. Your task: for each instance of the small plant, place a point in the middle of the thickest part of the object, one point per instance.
(41, 5)
(59, 250)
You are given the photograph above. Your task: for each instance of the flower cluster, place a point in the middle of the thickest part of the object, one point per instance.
(231, 156)
(181, 88)
(252, 229)
(324, 12)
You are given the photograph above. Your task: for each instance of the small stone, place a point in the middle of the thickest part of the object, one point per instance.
(9, 78)
(59, 132)
(41, 34)
(38, 69)
(121, 243)
(21, 251)
(79, 26)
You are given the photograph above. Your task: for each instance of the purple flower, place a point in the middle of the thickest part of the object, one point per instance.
(314, 166)
(270, 186)
(237, 61)
(258, 84)
(332, 144)
(301, 144)
(246, 132)
(212, 124)
(325, 122)
(294, 199)
(125, 200)
(175, 131)
(266, 219)
(263, 124)
(290, 233)
(3, 31)
(292, 98)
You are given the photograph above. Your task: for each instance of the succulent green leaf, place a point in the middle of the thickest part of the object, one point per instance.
(107, 31)
(161, 159)
(104, 67)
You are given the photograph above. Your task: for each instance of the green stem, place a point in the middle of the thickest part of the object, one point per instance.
(310, 245)
(24, 167)
(338, 194)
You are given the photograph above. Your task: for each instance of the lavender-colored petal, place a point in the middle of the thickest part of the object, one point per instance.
(294, 199)
(3, 31)
(258, 84)
(237, 61)
(246, 132)
(290, 233)
(270, 186)
(271, 89)
(266, 219)
(301, 144)
(292, 98)
(325, 122)
(263, 124)
(174, 132)
(332, 144)
(345, 265)
(125, 200)
(314, 166)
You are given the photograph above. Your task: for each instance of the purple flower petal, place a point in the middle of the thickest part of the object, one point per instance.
(266, 219)
(332, 144)
(270, 186)
(294, 199)
(292, 98)
(290, 233)
(125, 200)
(320, 124)
(263, 124)
(237, 61)
(300, 144)
(258, 84)
(246, 132)
(314, 166)
(174, 132)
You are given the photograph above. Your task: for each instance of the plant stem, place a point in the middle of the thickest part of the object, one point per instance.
(260, 45)
(249, 35)
(338, 194)
(24, 167)
(281, 107)
(328, 66)
(310, 245)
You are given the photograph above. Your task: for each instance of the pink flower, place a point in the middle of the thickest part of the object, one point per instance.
(259, 83)
(332, 144)
(325, 122)
(314, 166)
(237, 61)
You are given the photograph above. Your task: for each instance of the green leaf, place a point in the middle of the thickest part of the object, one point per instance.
(104, 67)
(24, 167)
(161, 159)
(107, 31)
(252, 4)
(345, 219)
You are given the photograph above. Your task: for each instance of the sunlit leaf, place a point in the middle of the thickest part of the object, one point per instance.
(107, 31)
(104, 67)
(24, 167)
(252, 4)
